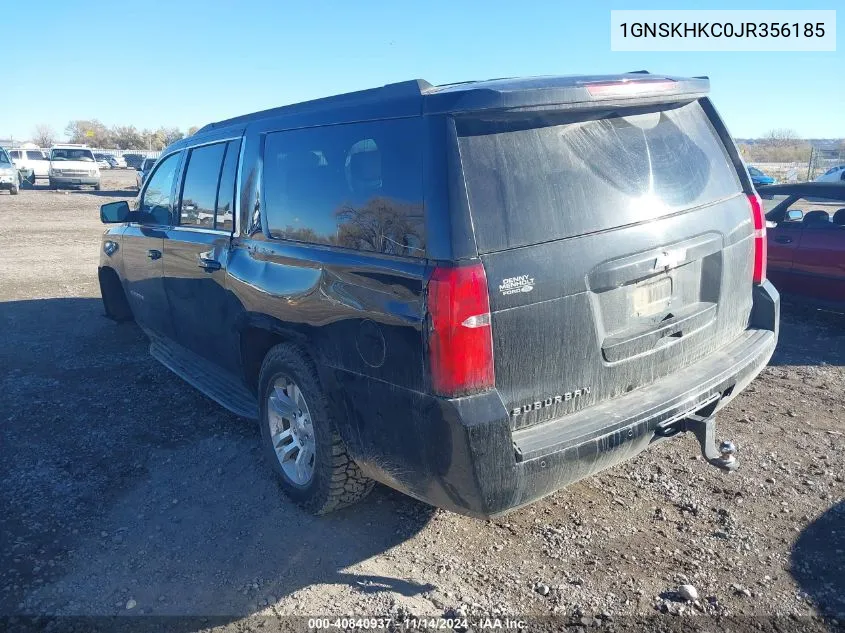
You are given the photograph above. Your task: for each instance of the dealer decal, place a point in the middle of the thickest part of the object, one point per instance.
(520, 283)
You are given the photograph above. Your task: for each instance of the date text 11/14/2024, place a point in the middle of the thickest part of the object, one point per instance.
(416, 624)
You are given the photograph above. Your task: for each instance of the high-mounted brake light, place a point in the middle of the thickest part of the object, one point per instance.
(758, 219)
(628, 87)
(460, 343)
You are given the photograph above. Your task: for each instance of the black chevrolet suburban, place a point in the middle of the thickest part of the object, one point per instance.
(475, 293)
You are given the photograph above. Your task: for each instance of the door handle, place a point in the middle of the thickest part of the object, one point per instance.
(209, 265)
(154, 254)
(783, 240)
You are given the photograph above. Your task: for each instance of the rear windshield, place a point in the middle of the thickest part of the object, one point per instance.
(84, 155)
(540, 178)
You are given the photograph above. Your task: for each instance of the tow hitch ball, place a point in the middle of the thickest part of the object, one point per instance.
(704, 428)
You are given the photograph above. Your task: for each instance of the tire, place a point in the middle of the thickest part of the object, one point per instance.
(336, 480)
(97, 187)
(13, 190)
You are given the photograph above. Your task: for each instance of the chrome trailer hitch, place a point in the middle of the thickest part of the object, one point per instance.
(704, 429)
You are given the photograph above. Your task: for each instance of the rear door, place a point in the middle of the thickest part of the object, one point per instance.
(196, 254)
(143, 249)
(820, 261)
(617, 246)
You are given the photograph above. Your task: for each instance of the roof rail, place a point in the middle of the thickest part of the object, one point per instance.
(401, 90)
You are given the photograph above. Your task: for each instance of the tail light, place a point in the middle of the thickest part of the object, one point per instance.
(460, 343)
(760, 245)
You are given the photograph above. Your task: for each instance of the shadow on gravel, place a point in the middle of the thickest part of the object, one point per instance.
(113, 193)
(818, 561)
(125, 491)
(809, 336)
(41, 185)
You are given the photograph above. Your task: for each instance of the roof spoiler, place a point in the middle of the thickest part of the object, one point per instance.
(569, 93)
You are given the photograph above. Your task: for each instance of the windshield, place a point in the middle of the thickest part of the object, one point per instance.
(536, 178)
(83, 155)
(4, 158)
(148, 164)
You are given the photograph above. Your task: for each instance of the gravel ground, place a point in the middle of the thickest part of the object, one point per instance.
(112, 503)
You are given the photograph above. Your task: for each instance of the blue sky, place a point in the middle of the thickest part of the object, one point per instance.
(188, 62)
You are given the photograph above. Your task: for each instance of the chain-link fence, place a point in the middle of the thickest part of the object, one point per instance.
(820, 161)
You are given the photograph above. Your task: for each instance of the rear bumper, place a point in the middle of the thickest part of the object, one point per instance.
(461, 455)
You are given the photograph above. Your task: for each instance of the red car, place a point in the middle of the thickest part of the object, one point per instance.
(805, 224)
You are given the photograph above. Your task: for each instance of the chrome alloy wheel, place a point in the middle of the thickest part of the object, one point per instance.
(291, 431)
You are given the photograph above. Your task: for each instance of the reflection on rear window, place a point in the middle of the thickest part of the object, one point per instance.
(532, 180)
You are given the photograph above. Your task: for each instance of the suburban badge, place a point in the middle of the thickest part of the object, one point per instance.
(541, 404)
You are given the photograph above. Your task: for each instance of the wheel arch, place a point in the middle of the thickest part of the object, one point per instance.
(113, 294)
(257, 334)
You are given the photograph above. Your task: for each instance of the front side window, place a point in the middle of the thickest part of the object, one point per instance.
(31, 155)
(356, 186)
(157, 203)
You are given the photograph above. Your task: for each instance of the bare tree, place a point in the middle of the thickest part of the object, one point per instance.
(781, 137)
(43, 135)
(92, 132)
(192, 130)
(127, 137)
(171, 134)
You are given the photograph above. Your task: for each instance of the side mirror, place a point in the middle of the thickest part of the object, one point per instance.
(795, 215)
(114, 212)
(771, 225)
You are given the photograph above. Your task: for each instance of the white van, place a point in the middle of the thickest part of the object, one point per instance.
(73, 166)
(31, 158)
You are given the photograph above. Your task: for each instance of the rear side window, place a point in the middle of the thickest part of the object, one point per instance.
(209, 186)
(226, 191)
(356, 186)
(34, 155)
(200, 189)
(541, 178)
